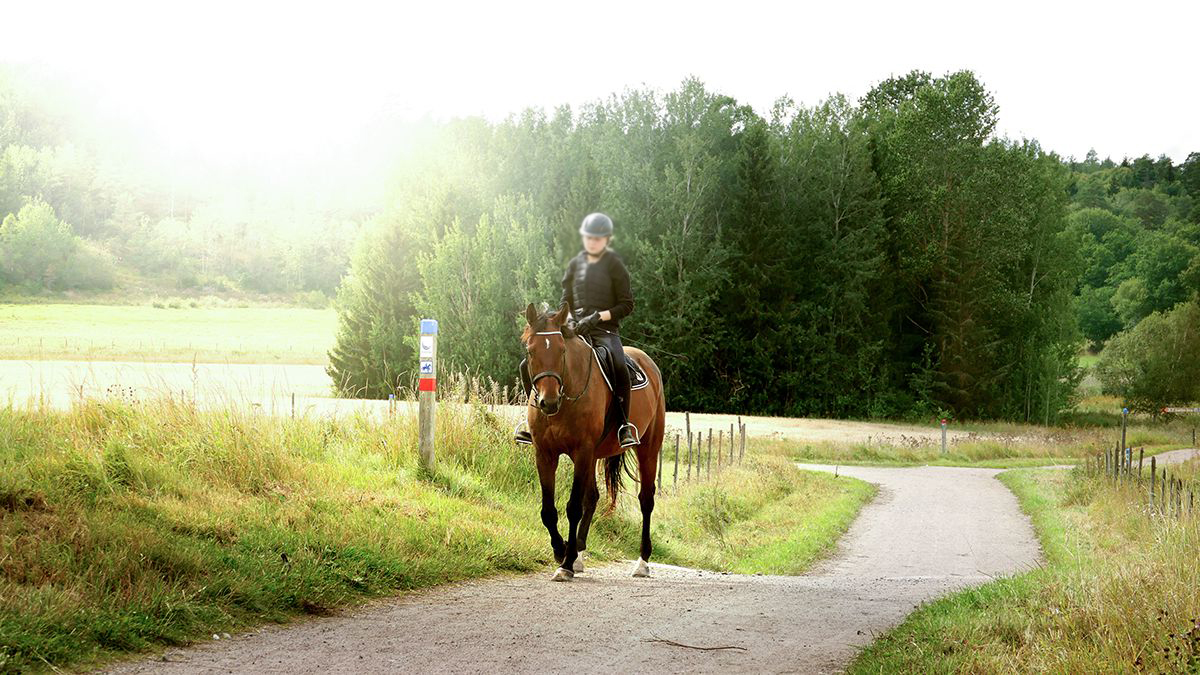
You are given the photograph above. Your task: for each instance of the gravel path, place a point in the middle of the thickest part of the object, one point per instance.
(930, 530)
(1174, 457)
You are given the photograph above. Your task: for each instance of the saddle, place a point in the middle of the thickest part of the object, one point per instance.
(637, 376)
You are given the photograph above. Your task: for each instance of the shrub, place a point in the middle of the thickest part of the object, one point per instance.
(1154, 363)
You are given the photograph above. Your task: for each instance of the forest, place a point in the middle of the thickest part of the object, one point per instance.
(886, 257)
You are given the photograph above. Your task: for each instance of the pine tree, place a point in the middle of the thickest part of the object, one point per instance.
(374, 354)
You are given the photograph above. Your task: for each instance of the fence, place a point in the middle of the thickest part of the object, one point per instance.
(697, 455)
(1166, 494)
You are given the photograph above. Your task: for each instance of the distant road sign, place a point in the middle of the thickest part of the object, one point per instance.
(1181, 410)
(1124, 411)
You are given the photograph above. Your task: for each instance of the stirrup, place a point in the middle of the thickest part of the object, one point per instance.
(634, 435)
(522, 436)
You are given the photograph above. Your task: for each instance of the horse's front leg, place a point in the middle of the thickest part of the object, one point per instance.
(547, 465)
(590, 497)
(584, 468)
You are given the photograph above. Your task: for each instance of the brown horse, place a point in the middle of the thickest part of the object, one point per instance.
(568, 414)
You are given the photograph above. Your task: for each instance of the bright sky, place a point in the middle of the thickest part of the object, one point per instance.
(248, 82)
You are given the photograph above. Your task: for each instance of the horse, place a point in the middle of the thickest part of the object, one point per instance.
(568, 415)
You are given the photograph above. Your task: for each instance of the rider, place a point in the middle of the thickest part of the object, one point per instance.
(596, 287)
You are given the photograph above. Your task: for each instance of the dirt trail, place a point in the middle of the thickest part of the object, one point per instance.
(1173, 457)
(930, 530)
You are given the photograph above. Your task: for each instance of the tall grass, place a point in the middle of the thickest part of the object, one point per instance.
(128, 525)
(1120, 593)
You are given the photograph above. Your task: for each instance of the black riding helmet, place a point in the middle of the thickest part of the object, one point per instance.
(597, 225)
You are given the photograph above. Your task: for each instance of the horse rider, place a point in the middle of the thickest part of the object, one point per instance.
(596, 287)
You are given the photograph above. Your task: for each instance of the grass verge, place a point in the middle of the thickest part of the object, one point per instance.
(1000, 448)
(1120, 593)
(126, 527)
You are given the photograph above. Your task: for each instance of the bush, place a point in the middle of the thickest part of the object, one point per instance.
(91, 268)
(1154, 363)
(35, 246)
(312, 300)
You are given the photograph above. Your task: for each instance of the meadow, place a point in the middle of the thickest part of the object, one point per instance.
(133, 526)
(172, 331)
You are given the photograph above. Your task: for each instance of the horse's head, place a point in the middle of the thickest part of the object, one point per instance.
(546, 344)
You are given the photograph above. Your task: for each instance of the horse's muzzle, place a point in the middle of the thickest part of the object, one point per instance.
(549, 407)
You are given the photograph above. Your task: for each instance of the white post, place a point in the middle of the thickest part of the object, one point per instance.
(943, 436)
(427, 386)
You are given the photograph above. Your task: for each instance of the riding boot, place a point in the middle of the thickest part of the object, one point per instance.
(627, 435)
(521, 432)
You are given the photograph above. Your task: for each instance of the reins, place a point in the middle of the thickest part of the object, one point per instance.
(562, 387)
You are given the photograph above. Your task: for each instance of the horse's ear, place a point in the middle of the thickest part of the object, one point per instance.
(531, 315)
(561, 317)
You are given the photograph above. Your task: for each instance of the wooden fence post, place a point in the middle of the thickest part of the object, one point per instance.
(689, 461)
(731, 442)
(1141, 456)
(708, 464)
(720, 442)
(711, 447)
(687, 420)
(675, 479)
(1153, 479)
(660, 460)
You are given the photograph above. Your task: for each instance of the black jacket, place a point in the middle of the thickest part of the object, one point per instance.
(602, 285)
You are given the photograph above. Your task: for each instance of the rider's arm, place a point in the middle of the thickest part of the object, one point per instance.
(568, 286)
(621, 291)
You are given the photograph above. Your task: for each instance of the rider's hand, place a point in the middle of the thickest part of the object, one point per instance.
(587, 323)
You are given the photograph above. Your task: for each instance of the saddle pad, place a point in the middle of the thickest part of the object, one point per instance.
(637, 376)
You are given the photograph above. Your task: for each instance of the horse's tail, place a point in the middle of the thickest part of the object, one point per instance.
(612, 477)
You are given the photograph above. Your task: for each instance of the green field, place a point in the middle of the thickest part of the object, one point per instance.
(1120, 593)
(131, 527)
(166, 334)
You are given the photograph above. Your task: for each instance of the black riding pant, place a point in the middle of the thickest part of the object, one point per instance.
(620, 372)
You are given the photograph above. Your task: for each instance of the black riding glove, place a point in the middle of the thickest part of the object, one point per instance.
(587, 323)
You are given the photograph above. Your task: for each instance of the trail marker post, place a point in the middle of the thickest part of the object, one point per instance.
(943, 435)
(427, 388)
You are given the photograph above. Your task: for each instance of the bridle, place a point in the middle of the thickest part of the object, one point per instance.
(562, 388)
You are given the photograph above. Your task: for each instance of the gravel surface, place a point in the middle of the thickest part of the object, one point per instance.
(930, 530)
(1174, 457)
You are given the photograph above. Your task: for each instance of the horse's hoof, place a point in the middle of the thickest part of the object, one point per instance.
(578, 566)
(562, 574)
(642, 570)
